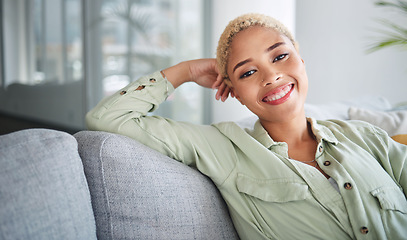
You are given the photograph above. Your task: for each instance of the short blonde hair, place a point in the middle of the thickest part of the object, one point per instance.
(239, 24)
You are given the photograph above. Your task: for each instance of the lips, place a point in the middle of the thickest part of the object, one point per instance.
(278, 95)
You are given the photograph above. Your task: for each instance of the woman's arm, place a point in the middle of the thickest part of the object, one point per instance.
(204, 72)
(125, 112)
(147, 93)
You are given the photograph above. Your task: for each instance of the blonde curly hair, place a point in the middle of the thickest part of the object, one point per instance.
(239, 24)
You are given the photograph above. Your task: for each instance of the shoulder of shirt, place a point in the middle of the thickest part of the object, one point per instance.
(226, 126)
(351, 126)
(233, 129)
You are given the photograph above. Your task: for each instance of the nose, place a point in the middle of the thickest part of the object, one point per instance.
(270, 78)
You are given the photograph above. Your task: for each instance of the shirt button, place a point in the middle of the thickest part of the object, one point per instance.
(347, 186)
(152, 80)
(327, 163)
(364, 230)
(321, 148)
(123, 92)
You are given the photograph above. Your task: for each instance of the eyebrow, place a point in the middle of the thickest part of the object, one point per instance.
(276, 45)
(241, 64)
(269, 49)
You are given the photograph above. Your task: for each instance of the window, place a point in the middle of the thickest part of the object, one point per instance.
(40, 45)
(61, 57)
(138, 37)
(42, 59)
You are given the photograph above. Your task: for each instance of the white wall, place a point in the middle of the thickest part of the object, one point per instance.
(334, 36)
(226, 10)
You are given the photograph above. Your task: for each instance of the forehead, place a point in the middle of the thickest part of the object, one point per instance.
(255, 35)
(254, 39)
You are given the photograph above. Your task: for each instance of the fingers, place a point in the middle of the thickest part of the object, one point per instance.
(223, 92)
(218, 82)
(221, 89)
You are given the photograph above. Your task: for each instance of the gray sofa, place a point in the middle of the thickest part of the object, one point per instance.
(98, 185)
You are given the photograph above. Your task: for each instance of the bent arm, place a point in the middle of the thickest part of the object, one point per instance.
(125, 112)
(132, 102)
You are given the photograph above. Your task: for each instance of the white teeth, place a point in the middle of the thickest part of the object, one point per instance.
(279, 95)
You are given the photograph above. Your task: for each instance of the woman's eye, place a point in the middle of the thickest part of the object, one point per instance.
(279, 57)
(248, 74)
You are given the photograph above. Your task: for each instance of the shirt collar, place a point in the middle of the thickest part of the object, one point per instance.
(320, 131)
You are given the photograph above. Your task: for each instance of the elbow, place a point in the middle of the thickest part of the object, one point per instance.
(95, 122)
(104, 122)
(91, 122)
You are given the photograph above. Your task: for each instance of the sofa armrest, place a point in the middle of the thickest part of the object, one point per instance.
(138, 193)
(43, 190)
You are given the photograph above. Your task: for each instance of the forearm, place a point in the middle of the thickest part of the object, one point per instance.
(203, 72)
(177, 74)
(131, 102)
(144, 95)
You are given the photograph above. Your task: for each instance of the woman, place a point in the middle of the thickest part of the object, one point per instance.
(289, 177)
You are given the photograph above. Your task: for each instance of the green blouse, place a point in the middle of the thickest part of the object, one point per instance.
(270, 196)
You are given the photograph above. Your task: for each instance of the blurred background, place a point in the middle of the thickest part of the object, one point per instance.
(59, 58)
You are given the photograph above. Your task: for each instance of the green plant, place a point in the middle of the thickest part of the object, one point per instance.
(395, 34)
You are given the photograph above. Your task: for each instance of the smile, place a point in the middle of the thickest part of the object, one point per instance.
(279, 95)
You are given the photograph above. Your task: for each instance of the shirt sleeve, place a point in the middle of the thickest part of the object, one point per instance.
(125, 113)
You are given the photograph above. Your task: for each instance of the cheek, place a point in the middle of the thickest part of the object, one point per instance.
(246, 94)
(297, 68)
(297, 65)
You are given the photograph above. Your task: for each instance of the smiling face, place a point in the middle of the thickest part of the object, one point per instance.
(267, 74)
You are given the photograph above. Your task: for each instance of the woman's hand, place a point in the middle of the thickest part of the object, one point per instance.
(223, 90)
(204, 72)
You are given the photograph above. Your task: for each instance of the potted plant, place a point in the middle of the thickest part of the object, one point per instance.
(395, 34)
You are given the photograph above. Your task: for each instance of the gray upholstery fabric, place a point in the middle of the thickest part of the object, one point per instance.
(137, 193)
(43, 190)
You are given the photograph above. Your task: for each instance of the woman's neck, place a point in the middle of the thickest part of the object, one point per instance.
(302, 143)
(295, 131)
(297, 134)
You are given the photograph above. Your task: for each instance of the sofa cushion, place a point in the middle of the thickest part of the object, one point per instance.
(43, 190)
(339, 109)
(393, 122)
(138, 193)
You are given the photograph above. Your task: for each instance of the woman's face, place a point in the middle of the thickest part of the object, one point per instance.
(268, 74)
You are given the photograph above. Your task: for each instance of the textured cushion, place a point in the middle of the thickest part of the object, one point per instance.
(138, 193)
(393, 122)
(339, 109)
(43, 190)
(332, 110)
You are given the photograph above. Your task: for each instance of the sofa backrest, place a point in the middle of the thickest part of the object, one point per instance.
(138, 193)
